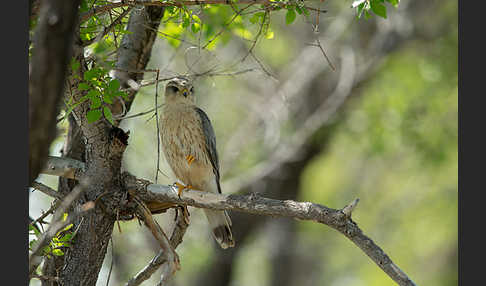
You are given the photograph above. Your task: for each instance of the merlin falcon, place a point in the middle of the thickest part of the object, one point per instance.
(189, 146)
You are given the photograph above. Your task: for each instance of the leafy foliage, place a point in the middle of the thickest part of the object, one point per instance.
(60, 241)
(206, 24)
(101, 91)
(376, 6)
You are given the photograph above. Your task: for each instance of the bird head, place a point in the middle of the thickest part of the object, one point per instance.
(179, 89)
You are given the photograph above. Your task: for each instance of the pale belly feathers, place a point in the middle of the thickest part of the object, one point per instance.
(182, 135)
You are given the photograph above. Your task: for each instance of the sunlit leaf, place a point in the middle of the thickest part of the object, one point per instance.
(290, 16)
(378, 8)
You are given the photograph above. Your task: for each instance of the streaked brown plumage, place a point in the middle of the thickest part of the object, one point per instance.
(189, 146)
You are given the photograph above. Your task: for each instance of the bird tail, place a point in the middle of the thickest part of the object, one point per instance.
(220, 224)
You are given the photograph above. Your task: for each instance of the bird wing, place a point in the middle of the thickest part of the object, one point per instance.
(210, 140)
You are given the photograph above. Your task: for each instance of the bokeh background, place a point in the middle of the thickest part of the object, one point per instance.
(382, 127)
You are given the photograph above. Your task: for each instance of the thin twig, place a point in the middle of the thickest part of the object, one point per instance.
(111, 264)
(106, 30)
(45, 214)
(256, 37)
(57, 224)
(180, 3)
(46, 190)
(227, 24)
(157, 125)
(324, 53)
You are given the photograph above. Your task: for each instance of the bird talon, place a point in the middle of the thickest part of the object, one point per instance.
(181, 187)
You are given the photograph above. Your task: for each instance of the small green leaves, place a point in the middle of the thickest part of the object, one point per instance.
(93, 115)
(393, 2)
(113, 85)
(108, 114)
(57, 252)
(74, 64)
(101, 90)
(378, 8)
(290, 16)
(257, 18)
(83, 86)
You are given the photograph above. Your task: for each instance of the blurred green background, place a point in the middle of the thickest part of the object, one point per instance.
(392, 143)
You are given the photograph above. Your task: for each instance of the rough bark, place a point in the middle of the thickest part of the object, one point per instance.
(73, 148)
(135, 49)
(50, 58)
(102, 150)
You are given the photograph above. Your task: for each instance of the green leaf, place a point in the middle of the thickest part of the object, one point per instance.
(93, 115)
(108, 114)
(253, 19)
(185, 20)
(297, 8)
(393, 2)
(290, 16)
(35, 230)
(378, 8)
(257, 17)
(95, 102)
(114, 85)
(46, 250)
(83, 86)
(57, 252)
(32, 244)
(74, 64)
(68, 227)
(108, 99)
(305, 10)
(195, 27)
(93, 93)
(89, 75)
(121, 93)
(66, 237)
(367, 14)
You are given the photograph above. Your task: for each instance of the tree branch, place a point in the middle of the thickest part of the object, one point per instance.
(63, 167)
(339, 219)
(180, 3)
(255, 204)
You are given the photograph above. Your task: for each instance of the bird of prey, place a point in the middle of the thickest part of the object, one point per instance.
(189, 146)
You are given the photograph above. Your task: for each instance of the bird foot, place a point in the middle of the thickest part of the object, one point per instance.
(181, 187)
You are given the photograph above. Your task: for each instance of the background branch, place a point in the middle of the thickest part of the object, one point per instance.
(50, 56)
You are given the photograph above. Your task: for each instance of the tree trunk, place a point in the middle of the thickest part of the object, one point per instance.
(102, 146)
(50, 58)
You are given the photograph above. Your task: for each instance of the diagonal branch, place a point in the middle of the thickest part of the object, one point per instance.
(175, 239)
(168, 254)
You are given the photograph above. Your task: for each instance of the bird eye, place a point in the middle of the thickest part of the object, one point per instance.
(185, 93)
